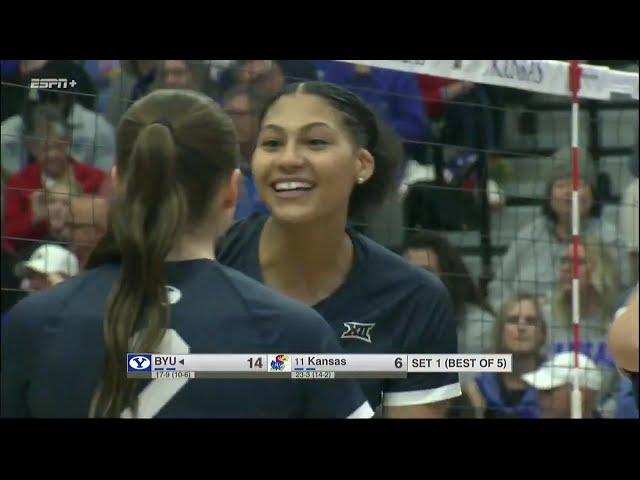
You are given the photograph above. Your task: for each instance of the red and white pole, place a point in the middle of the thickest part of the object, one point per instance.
(575, 73)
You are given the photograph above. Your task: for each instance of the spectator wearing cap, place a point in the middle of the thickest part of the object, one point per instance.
(533, 258)
(599, 290)
(553, 382)
(92, 137)
(49, 265)
(520, 331)
(38, 197)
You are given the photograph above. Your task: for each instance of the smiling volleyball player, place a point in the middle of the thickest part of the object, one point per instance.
(320, 158)
(154, 286)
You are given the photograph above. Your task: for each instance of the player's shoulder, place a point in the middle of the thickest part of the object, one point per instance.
(241, 235)
(270, 308)
(39, 309)
(389, 270)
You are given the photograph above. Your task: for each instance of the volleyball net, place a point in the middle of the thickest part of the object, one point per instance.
(518, 177)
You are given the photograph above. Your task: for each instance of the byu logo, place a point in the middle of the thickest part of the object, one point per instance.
(360, 331)
(139, 362)
(173, 294)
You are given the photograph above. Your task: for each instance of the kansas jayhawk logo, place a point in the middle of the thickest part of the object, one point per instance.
(360, 331)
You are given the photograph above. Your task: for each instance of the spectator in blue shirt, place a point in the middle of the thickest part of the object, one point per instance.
(627, 406)
(521, 331)
(394, 95)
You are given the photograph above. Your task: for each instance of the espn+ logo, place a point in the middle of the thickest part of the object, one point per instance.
(52, 83)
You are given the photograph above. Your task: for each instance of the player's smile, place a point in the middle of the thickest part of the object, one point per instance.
(292, 188)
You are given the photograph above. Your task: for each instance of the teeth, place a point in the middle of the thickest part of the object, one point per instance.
(283, 186)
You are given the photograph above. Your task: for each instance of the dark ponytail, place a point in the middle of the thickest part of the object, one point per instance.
(147, 220)
(169, 169)
(368, 132)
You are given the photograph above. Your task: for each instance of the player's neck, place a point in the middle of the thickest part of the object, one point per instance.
(306, 261)
(315, 244)
(192, 247)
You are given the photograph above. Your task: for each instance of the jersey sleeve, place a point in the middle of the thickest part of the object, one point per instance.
(19, 345)
(342, 398)
(432, 330)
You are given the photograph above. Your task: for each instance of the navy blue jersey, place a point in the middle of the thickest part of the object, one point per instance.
(53, 349)
(386, 305)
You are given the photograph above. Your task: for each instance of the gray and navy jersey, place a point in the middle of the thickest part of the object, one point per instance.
(53, 349)
(386, 305)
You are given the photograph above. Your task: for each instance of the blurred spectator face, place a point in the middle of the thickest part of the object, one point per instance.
(523, 331)
(82, 240)
(144, 67)
(245, 120)
(177, 75)
(561, 197)
(52, 151)
(556, 402)
(305, 162)
(82, 229)
(37, 281)
(252, 69)
(265, 75)
(566, 269)
(424, 258)
(49, 265)
(28, 66)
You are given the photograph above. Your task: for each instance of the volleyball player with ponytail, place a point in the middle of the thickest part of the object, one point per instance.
(153, 285)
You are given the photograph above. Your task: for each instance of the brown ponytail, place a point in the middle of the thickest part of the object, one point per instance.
(169, 169)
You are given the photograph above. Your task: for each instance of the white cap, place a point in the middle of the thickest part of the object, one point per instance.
(49, 259)
(558, 371)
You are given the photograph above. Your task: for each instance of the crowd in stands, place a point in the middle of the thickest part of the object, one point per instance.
(58, 148)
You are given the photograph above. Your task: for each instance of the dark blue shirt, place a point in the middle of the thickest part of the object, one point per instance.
(53, 348)
(386, 305)
(499, 405)
(394, 95)
(249, 202)
(627, 405)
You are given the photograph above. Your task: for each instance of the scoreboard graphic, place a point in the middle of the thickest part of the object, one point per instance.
(308, 366)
